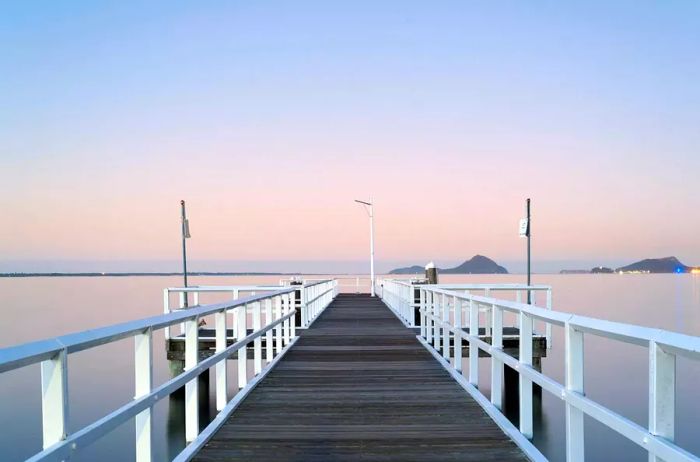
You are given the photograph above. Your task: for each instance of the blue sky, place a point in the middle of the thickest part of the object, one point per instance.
(122, 108)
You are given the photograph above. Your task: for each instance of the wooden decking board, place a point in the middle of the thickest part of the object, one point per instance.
(358, 386)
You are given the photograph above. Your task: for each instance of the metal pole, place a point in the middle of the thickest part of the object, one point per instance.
(529, 233)
(371, 248)
(184, 247)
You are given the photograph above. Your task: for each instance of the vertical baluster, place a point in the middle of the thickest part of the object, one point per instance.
(445, 328)
(662, 394)
(143, 381)
(428, 318)
(496, 364)
(166, 310)
(573, 342)
(292, 324)
(242, 315)
(285, 312)
(423, 332)
(54, 398)
(473, 349)
(548, 326)
(257, 343)
(221, 368)
(525, 383)
(457, 303)
(437, 334)
(269, 352)
(278, 327)
(304, 308)
(182, 306)
(195, 295)
(191, 387)
(234, 316)
(487, 315)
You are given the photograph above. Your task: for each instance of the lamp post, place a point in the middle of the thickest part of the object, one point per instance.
(370, 211)
(185, 236)
(526, 231)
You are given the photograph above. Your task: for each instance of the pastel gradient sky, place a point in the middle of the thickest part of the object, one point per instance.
(269, 118)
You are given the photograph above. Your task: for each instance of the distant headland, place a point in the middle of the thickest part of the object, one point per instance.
(648, 265)
(478, 264)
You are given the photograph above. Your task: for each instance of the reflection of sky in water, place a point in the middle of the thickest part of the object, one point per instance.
(616, 374)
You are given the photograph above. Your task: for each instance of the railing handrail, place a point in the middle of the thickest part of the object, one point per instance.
(686, 345)
(245, 288)
(466, 286)
(32, 352)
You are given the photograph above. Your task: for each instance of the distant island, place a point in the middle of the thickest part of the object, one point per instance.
(478, 264)
(649, 265)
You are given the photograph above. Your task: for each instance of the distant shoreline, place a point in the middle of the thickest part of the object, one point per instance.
(112, 274)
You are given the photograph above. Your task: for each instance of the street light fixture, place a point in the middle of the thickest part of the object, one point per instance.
(370, 211)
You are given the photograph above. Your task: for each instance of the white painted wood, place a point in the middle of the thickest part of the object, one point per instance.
(473, 349)
(278, 328)
(437, 333)
(192, 387)
(445, 330)
(497, 364)
(54, 398)
(573, 364)
(662, 394)
(242, 315)
(525, 384)
(257, 343)
(423, 323)
(457, 304)
(428, 319)
(221, 367)
(292, 321)
(143, 382)
(269, 351)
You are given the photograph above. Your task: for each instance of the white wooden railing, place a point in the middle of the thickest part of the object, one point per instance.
(442, 322)
(275, 307)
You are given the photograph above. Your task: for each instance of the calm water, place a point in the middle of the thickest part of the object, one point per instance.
(101, 379)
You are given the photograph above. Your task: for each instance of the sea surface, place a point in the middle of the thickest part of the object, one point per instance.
(101, 379)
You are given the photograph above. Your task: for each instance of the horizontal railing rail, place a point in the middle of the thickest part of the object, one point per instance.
(442, 325)
(277, 309)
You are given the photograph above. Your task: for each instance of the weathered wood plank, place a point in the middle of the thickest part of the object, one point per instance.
(359, 386)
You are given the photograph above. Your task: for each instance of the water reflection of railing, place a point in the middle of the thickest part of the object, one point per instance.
(277, 310)
(441, 323)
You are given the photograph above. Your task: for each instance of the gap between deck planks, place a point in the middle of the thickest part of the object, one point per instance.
(359, 386)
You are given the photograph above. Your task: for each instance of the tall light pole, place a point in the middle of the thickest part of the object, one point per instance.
(370, 211)
(185, 236)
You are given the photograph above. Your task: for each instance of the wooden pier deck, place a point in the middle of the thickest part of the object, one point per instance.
(358, 385)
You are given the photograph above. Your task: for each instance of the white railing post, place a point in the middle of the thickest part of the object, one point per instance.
(496, 364)
(445, 328)
(548, 326)
(191, 387)
(473, 349)
(525, 359)
(428, 318)
(257, 343)
(182, 306)
(458, 333)
(166, 310)
(242, 315)
(54, 398)
(278, 327)
(488, 317)
(573, 349)
(143, 382)
(269, 352)
(285, 312)
(292, 305)
(221, 369)
(303, 306)
(662, 394)
(422, 312)
(436, 319)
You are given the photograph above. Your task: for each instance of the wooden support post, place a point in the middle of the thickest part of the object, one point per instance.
(525, 383)
(574, 383)
(278, 327)
(269, 352)
(473, 349)
(143, 382)
(221, 368)
(662, 394)
(242, 315)
(54, 398)
(457, 303)
(445, 328)
(257, 343)
(191, 387)
(437, 334)
(497, 365)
